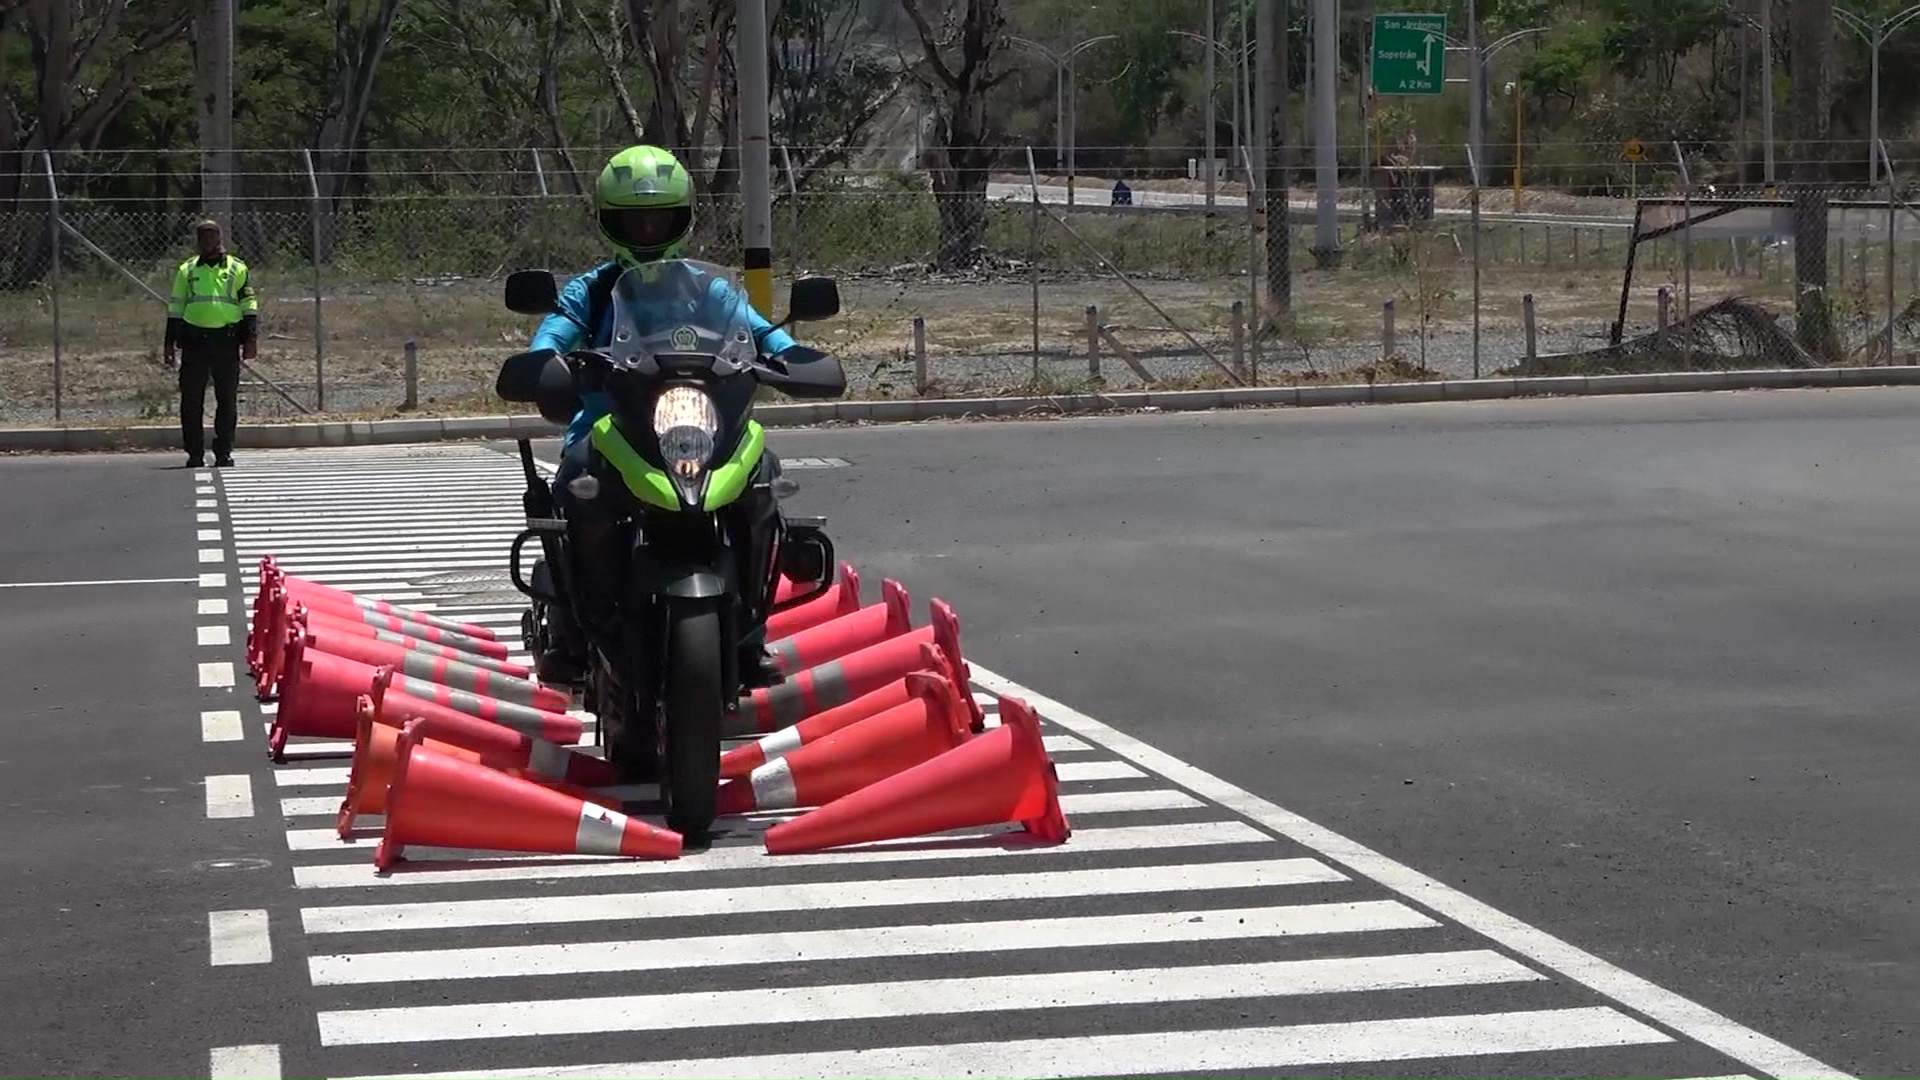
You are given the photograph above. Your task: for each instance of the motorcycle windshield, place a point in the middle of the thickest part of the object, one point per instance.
(679, 310)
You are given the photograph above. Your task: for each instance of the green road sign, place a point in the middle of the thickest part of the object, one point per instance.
(1409, 53)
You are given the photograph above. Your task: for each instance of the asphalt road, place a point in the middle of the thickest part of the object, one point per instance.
(1628, 671)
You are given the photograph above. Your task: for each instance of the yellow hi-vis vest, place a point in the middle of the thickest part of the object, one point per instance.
(211, 297)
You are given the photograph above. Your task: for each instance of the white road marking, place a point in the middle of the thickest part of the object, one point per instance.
(1178, 1052)
(217, 634)
(221, 725)
(260, 1061)
(207, 517)
(212, 605)
(239, 937)
(102, 581)
(206, 504)
(213, 581)
(215, 674)
(230, 796)
(213, 555)
(940, 997)
(210, 536)
(578, 958)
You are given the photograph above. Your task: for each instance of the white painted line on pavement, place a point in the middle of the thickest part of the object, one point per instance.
(203, 477)
(807, 896)
(210, 536)
(1299, 1046)
(207, 517)
(215, 674)
(238, 937)
(205, 504)
(212, 605)
(360, 875)
(221, 725)
(217, 634)
(213, 555)
(580, 958)
(1070, 771)
(102, 581)
(204, 489)
(213, 581)
(1696, 1021)
(918, 997)
(230, 796)
(257, 1062)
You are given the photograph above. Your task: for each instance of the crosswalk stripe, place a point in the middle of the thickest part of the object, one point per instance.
(791, 896)
(867, 942)
(1069, 772)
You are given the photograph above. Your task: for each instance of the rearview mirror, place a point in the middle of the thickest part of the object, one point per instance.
(532, 292)
(519, 378)
(811, 299)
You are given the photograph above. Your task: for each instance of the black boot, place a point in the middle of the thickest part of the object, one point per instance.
(758, 671)
(563, 659)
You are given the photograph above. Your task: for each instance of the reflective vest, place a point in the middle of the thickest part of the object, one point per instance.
(212, 297)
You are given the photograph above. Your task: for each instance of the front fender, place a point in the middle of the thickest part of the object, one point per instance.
(687, 581)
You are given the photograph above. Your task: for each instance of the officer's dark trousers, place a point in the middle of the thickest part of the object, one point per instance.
(216, 356)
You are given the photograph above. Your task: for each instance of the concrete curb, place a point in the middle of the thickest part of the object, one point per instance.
(379, 432)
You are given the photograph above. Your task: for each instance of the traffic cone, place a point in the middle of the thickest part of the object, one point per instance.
(502, 747)
(1002, 776)
(419, 643)
(742, 760)
(375, 752)
(931, 722)
(837, 682)
(851, 632)
(462, 644)
(318, 689)
(296, 586)
(291, 612)
(842, 599)
(441, 801)
(787, 588)
(449, 673)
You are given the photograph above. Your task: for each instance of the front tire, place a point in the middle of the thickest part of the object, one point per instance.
(694, 702)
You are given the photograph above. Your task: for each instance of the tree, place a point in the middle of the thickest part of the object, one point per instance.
(957, 72)
(829, 82)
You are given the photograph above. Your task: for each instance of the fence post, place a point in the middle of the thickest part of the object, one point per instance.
(411, 368)
(1387, 343)
(1473, 168)
(1237, 329)
(793, 201)
(919, 355)
(1526, 319)
(319, 361)
(1033, 255)
(1666, 304)
(53, 296)
(1093, 340)
(1686, 239)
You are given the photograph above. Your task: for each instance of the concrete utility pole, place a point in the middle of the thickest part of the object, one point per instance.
(1476, 87)
(1277, 153)
(213, 55)
(1211, 75)
(756, 153)
(1326, 139)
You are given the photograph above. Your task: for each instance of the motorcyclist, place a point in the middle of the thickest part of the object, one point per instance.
(644, 203)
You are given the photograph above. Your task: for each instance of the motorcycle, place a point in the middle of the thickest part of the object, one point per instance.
(682, 368)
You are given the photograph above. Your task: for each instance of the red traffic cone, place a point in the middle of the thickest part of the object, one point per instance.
(288, 612)
(303, 587)
(842, 599)
(1004, 775)
(420, 643)
(851, 632)
(449, 673)
(441, 801)
(500, 746)
(837, 682)
(932, 722)
(742, 760)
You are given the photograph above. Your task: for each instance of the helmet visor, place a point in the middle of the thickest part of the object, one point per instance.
(646, 226)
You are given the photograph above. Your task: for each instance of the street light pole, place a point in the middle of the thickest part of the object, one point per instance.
(1326, 147)
(1211, 75)
(1476, 70)
(1875, 32)
(1064, 92)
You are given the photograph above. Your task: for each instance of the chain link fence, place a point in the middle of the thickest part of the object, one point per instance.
(380, 284)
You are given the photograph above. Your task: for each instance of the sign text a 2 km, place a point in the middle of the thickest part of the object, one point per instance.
(1409, 53)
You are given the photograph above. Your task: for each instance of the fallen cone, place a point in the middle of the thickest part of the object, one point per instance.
(842, 599)
(931, 722)
(851, 632)
(296, 586)
(500, 746)
(452, 674)
(1002, 776)
(441, 801)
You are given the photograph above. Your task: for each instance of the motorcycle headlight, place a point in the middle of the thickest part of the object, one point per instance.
(686, 424)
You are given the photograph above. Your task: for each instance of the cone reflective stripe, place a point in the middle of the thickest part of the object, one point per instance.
(1002, 776)
(500, 746)
(742, 760)
(375, 752)
(442, 801)
(474, 649)
(296, 586)
(842, 599)
(318, 689)
(858, 673)
(831, 640)
(439, 669)
(322, 617)
(290, 612)
(931, 722)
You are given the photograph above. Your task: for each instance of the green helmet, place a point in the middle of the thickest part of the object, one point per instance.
(644, 202)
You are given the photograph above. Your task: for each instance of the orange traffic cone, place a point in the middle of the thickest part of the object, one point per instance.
(453, 674)
(399, 632)
(742, 760)
(1004, 775)
(851, 632)
(842, 599)
(289, 612)
(857, 674)
(932, 722)
(375, 751)
(302, 587)
(318, 690)
(500, 746)
(442, 801)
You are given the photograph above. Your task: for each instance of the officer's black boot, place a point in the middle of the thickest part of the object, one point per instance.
(757, 668)
(563, 661)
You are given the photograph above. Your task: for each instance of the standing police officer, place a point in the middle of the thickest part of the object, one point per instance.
(212, 320)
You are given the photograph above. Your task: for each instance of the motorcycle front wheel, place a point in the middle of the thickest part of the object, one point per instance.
(693, 703)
